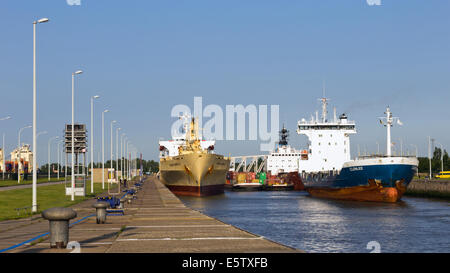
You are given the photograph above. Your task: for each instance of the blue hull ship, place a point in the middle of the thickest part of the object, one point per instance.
(381, 179)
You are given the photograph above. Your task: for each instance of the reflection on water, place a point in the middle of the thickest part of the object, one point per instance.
(321, 225)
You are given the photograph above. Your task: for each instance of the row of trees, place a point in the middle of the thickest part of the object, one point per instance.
(147, 166)
(436, 163)
(424, 164)
(153, 166)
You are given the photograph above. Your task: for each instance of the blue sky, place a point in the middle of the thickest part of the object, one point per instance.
(144, 57)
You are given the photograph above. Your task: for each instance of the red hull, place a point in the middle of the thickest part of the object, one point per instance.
(197, 191)
(373, 192)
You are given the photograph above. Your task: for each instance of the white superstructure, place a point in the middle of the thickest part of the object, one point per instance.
(329, 141)
(285, 158)
(170, 147)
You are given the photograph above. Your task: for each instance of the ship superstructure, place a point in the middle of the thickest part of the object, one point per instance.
(285, 159)
(171, 147)
(328, 141)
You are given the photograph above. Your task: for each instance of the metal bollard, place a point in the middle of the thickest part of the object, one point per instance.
(59, 225)
(100, 208)
(122, 203)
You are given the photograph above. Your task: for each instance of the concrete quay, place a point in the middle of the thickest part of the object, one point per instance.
(155, 222)
(429, 188)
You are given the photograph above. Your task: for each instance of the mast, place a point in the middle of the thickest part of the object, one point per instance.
(324, 101)
(324, 109)
(389, 120)
(284, 133)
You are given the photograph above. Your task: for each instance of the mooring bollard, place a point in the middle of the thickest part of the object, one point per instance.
(100, 208)
(59, 225)
(122, 203)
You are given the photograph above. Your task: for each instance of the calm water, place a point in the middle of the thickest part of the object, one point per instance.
(320, 225)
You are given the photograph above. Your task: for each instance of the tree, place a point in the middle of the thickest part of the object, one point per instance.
(424, 165)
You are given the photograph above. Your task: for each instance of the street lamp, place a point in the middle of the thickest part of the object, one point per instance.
(3, 150)
(442, 157)
(19, 153)
(78, 72)
(4, 158)
(111, 163)
(59, 156)
(401, 147)
(48, 166)
(415, 147)
(103, 148)
(41, 133)
(430, 153)
(34, 151)
(129, 158)
(121, 155)
(126, 156)
(92, 141)
(117, 151)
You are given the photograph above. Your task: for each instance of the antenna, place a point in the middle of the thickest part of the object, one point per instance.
(324, 101)
(323, 89)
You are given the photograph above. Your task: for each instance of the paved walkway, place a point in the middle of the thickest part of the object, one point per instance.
(155, 222)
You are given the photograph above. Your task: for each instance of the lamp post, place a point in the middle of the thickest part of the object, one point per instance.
(117, 151)
(121, 155)
(78, 72)
(49, 141)
(3, 149)
(34, 151)
(401, 147)
(429, 153)
(415, 147)
(3, 159)
(103, 148)
(111, 163)
(59, 156)
(40, 133)
(19, 153)
(92, 141)
(129, 159)
(125, 155)
(134, 161)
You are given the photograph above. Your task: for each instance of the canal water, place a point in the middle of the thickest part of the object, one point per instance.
(320, 225)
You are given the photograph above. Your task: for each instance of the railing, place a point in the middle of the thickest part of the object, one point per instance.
(26, 210)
